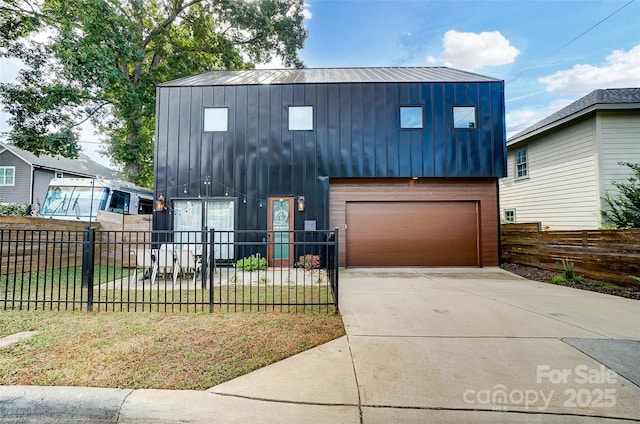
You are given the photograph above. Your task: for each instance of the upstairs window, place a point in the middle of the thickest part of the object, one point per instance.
(510, 216)
(216, 119)
(411, 117)
(300, 118)
(521, 163)
(464, 117)
(7, 174)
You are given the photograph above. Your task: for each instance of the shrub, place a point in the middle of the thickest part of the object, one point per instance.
(623, 210)
(308, 262)
(559, 279)
(567, 264)
(13, 209)
(252, 263)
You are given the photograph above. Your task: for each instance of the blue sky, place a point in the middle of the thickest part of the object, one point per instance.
(549, 52)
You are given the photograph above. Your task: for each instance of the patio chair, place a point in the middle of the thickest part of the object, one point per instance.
(190, 262)
(168, 264)
(146, 261)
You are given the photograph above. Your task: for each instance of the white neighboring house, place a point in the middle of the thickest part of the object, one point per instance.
(559, 169)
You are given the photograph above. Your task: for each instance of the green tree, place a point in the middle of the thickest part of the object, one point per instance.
(623, 210)
(100, 61)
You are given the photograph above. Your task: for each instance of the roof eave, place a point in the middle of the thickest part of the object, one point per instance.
(599, 107)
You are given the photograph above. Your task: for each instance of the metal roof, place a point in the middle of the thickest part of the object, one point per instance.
(81, 166)
(329, 75)
(601, 99)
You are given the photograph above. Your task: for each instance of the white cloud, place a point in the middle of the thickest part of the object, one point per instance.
(306, 13)
(520, 119)
(471, 51)
(621, 70)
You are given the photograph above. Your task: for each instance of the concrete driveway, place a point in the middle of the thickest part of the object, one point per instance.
(423, 345)
(437, 342)
(465, 345)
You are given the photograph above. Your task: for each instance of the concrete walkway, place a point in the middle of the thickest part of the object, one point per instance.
(422, 345)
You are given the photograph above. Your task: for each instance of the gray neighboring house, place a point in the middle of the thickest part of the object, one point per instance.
(559, 169)
(24, 177)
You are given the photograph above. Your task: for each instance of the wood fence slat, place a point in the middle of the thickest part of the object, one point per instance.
(610, 255)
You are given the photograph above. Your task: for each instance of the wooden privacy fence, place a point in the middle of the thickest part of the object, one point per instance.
(607, 255)
(61, 239)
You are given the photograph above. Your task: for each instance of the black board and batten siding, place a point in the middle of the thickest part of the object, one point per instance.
(356, 135)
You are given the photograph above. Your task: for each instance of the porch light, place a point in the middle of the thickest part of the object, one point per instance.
(160, 205)
(300, 203)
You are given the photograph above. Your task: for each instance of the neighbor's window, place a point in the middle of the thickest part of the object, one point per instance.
(7, 175)
(59, 174)
(216, 119)
(510, 216)
(464, 117)
(300, 118)
(411, 117)
(521, 163)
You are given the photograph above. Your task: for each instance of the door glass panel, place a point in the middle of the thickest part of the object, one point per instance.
(280, 227)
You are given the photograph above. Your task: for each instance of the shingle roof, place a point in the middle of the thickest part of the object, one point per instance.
(611, 98)
(81, 166)
(329, 75)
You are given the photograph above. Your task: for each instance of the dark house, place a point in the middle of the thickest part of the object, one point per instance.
(404, 162)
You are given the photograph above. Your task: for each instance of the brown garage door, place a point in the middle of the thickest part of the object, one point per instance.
(412, 234)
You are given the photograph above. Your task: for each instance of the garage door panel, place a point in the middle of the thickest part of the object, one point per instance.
(411, 234)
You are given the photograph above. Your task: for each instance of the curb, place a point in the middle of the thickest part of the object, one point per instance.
(36, 404)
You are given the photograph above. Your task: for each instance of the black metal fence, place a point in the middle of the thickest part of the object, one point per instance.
(169, 270)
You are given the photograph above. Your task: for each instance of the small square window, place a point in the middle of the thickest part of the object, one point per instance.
(7, 175)
(411, 117)
(59, 174)
(510, 216)
(300, 118)
(521, 163)
(464, 117)
(216, 119)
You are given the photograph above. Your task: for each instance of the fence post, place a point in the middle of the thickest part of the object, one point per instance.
(212, 268)
(88, 247)
(336, 266)
(205, 256)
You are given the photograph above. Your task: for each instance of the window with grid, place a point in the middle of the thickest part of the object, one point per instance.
(510, 216)
(7, 175)
(521, 163)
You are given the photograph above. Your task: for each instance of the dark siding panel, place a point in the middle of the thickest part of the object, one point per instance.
(368, 130)
(487, 136)
(189, 181)
(450, 149)
(333, 127)
(392, 119)
(181, 158)
(356, 130)
(438, 130)
(344, 110)
(428, 135)
(498, 130)
(380, 129)
(356, 134)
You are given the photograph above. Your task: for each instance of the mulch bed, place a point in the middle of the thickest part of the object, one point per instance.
(537, 274)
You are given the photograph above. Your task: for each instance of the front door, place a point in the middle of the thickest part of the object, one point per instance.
(280, 219)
